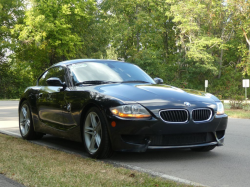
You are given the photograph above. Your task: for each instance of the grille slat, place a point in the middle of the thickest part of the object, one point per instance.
(201, 114)
(182, 116)
(174, 115)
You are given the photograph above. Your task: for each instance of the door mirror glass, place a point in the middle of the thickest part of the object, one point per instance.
(158, 80)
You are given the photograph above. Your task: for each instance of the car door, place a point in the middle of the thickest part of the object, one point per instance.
(73, 103)
(50, 100)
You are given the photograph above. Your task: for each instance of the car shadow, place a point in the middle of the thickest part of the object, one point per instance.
(168, 155)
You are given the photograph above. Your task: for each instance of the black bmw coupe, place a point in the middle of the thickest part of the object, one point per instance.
(115, 106)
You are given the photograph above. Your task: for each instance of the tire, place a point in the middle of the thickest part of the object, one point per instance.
(26, 123)
(203, 149)
(95, 135)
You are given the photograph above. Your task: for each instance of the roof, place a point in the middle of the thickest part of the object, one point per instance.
(68, 62)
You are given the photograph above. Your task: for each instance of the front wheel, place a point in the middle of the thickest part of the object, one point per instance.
(203, 149)
(95, 135)
(26, 123)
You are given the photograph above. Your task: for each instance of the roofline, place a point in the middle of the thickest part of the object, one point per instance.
(75, 61)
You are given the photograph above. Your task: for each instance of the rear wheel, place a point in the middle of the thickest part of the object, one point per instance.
(26, 123)
(95, 135)
(203, 149)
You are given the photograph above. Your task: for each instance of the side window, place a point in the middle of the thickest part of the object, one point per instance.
(58, 72)
(42, 80)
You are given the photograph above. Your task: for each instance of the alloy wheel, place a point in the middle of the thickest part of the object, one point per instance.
(25, 120)
(92, 132)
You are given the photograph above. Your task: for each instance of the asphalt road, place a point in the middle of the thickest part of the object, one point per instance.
(227, 166)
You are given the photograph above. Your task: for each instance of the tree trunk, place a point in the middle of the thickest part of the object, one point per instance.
(137, 33)
(220, 63)
(165, 41)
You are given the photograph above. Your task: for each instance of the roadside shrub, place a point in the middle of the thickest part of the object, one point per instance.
(236, 102)
(246, 105)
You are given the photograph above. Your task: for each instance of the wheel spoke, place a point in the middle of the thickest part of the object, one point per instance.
(89, 128)
(89, 132)
(92, 143)
(28, 122)
(24, 112)
(22, 123)
(26, 127)
(98, 127)
(93, 120)
(98, 140)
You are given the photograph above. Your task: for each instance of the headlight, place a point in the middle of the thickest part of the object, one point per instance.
(220, 108)
(130, 111)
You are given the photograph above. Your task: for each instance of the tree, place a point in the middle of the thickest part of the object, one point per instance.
(142, 33)
(11, 84)
(53, 31)
(240, 19)
(11, 13)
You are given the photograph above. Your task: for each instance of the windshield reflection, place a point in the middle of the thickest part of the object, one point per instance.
(108, 71)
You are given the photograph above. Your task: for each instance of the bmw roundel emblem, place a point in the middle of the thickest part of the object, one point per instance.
(187, 104)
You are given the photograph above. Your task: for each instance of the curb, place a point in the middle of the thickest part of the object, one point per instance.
(6, 182)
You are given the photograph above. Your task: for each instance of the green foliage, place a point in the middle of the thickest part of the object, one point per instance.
(183, 42)
(52, 32)
(240, 20)
(14, 78)
(138, 26)
(11, 13)
(111, 54)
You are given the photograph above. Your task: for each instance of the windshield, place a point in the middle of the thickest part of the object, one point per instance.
(108, 72)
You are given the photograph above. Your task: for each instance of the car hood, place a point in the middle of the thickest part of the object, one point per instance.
(160, 95)
(154, 97)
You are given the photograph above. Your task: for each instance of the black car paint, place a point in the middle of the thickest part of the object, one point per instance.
(50, 115)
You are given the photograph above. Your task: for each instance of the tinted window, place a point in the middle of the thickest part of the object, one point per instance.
(108, 71)
(58, 72)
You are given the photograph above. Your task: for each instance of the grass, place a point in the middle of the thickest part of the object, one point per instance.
(9, 99)
(237, 113)
(34, 165)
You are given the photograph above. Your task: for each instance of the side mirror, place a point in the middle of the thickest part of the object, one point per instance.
(54, 81)
(158, 80)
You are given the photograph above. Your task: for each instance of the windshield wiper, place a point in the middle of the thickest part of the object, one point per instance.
(95, 82)
(136, 81)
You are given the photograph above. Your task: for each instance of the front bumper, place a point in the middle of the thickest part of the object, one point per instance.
(141, 135)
